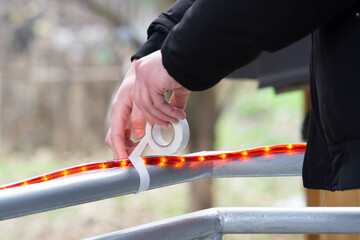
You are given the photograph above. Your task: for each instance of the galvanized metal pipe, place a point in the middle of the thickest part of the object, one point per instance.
(214, 236)
(218, 221)
(73, 190)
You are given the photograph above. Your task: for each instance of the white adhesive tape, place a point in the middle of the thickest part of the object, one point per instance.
(139, 165)
(153, 137)
(179, 139)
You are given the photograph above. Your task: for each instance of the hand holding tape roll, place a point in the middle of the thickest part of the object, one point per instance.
(153, 137)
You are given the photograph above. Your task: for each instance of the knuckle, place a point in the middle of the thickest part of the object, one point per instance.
(108, 141)
(151, 119)
(137, 120)
(138, 65)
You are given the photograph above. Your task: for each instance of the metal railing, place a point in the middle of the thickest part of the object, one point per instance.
(73, 190)
(207, 224)
(215, 222)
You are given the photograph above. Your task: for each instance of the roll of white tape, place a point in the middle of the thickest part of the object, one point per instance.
(179, 139)
(153, 137)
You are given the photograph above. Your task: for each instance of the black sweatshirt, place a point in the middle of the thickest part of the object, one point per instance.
(160, 27)
(215, 37)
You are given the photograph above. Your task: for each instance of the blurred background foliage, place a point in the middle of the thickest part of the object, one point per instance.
(60, 64)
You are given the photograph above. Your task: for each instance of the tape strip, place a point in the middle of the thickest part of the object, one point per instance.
(180, 138)
(139, 164)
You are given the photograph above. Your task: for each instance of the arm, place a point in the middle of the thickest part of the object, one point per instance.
(126, 117)
(215, 37)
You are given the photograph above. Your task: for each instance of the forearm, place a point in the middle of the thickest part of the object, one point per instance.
(215, 37)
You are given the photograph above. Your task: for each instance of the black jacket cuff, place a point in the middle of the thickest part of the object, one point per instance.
(153, 44)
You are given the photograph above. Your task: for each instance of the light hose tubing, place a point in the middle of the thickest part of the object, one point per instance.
(26, 197)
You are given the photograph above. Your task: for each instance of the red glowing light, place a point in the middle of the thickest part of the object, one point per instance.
(163, 161)
(123, 163)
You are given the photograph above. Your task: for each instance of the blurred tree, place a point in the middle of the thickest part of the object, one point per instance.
(202, 112)
(60, 63)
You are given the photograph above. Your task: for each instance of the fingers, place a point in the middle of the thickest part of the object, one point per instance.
(138, 122)
(161, 105)
(118, 136)
(130, 145)
(142, 95)
(152, 81)
(119, 119)
(179, 98)
(108, 138)
(109, 143)
(143, 100)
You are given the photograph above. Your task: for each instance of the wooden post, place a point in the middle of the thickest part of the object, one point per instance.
(201, 114)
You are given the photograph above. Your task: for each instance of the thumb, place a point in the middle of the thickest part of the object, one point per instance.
(137, 122)
(179, 98)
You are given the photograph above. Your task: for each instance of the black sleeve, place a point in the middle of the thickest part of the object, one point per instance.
(214, 38)
(160, 27)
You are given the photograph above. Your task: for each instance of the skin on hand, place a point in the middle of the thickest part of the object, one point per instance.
(141, 98)
(124, 115)
(152, 81)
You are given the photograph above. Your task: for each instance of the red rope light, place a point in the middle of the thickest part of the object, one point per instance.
(161, 161)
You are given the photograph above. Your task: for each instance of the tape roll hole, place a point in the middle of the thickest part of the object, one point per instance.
(158, 134)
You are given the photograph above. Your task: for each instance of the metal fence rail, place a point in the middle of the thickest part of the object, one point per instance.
(68, 191)
(213, 223)
(210, 224)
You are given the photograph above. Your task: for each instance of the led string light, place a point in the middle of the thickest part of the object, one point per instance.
(161, 161)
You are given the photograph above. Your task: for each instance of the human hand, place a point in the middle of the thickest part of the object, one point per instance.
(152, 81)
(124, 116)
(140, 98)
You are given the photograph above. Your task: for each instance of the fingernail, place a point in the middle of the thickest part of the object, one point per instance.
(182, 116)
(164, 125)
